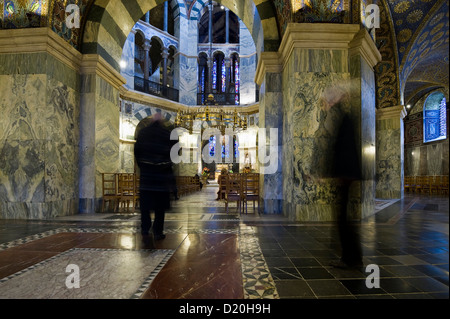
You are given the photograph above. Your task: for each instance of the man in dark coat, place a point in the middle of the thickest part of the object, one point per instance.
(347, 169)
(152, 154)
(341, 162)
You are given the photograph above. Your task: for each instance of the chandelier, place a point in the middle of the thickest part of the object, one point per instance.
(212, 117)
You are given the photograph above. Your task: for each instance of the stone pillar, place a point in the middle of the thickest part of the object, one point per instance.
(147, 47)
(268, 76)
(128, 52)
(185, 60)
(165, 55)
(99, 128)
(227, 25)
(390, 152)
(314, 59)
(363, 56)
(210, 25)
(210, 73)
(227, 74)
(166, 15)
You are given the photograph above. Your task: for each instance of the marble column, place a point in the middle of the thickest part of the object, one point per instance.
(165, 56)
(128, 59)
(390, 152)
(166, 15)
(147, 47)
(314, 60)
(185, 60)
(227, 25)
(270, 116)
(227, 74)
(363, 56)
(99, 128)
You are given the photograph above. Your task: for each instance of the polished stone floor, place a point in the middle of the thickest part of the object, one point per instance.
(209, 254)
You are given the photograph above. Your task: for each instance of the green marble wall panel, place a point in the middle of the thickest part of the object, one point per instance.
(38, 137)
(427, 159)
(389, 158)
(309, 132)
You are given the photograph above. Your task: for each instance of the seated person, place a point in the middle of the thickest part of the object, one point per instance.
(220, 195)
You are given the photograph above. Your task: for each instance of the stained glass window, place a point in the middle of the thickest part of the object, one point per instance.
(236, 151)
(202, 81)
(236, 83)
(443, 118)
(212, 145)
(214, 75)
(435, 118)
(223, 76)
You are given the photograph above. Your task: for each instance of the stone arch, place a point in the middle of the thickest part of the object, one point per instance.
(109, 22)
(260, 20)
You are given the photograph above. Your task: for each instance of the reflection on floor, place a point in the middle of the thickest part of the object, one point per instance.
(209, 254)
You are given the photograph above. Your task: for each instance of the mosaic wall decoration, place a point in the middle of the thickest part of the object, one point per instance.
(284, 14)
(23, 13)
(319, 11)
(414, 129)
(386, 72)
(58, 17)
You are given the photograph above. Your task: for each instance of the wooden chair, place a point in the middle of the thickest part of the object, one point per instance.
(233, 191)
(250, 183)
(426, 184)
(110, 194)
(419, 184)
(222, 187)
(434, 184)
(127, 190)
(409, 184)
(443, 188)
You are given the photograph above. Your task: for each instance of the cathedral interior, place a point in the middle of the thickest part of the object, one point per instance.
(80, 78)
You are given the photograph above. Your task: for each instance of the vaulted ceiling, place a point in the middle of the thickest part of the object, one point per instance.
(422, 34)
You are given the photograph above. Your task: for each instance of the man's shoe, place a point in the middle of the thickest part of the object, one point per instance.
(160, 237)
(147, 240)
(339, 264)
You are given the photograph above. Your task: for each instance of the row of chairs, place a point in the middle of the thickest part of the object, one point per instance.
(120, 190)
(426, 184)
(187, 185)
(240, 188)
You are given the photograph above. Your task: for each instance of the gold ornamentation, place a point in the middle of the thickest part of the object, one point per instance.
(437, 36)
(402, 7)
(404, 35)
(437, 28)
(422, 37)
(414, 16)
(436, 19)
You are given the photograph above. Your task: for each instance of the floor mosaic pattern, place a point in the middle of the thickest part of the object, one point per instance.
(211, 254)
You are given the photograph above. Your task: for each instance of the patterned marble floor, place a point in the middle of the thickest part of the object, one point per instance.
(209, 254)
